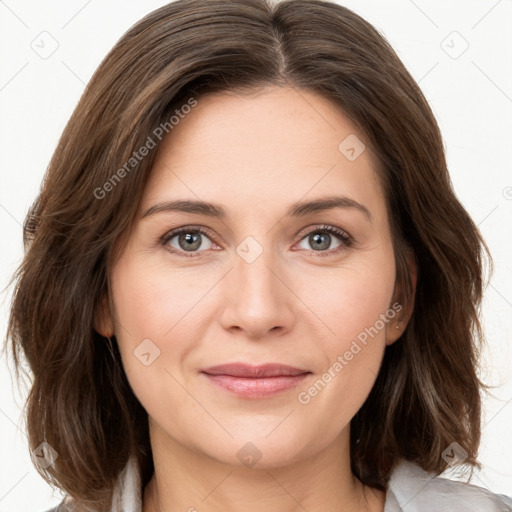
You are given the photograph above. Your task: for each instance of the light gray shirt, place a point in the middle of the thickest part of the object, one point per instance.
(410, 489)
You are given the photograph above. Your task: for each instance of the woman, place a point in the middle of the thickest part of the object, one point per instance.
(248, 283)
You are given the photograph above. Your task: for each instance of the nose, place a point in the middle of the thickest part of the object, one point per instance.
(258, 298)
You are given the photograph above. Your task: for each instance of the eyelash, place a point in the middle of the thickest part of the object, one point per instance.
(344, 237)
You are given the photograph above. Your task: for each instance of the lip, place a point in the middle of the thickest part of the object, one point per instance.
(255, 381)
(247, 370)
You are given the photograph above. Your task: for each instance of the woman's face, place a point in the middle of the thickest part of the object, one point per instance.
(264, 284)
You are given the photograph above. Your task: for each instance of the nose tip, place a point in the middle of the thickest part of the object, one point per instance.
(257, 301)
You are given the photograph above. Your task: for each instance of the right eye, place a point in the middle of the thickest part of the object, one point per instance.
(186, 240)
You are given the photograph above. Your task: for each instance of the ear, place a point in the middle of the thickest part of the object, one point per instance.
(103, 323)
(397, 326)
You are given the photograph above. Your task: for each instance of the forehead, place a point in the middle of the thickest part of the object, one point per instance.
(277, 145)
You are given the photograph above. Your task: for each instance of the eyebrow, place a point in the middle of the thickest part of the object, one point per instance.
(299, 209)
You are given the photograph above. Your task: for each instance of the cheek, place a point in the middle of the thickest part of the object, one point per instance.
(151, 300)
(161, 315)
(355, 305)
(351, 300)
(146, 307)
(151, 305)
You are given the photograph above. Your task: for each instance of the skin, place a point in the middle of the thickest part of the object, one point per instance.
(255, 155)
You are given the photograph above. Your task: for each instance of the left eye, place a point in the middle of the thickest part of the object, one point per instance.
(320, 239)
(190, 240)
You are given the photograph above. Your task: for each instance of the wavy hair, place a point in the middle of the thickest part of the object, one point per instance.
(427, 393)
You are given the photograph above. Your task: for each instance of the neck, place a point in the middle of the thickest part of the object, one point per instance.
(187, 480)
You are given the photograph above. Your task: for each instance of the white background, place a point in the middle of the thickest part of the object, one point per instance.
(471, 97)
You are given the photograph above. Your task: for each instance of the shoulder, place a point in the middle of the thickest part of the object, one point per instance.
(61, 507)
(66, 505)
(127, 493)
(413, 489)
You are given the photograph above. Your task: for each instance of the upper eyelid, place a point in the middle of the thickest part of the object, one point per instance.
(173, 232)
(322, 227)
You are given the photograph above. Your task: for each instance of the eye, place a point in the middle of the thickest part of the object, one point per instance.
(322, 237)
(188, 239)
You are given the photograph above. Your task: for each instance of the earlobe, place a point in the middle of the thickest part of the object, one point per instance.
(103, 323)
(393, 333)
(397, 327)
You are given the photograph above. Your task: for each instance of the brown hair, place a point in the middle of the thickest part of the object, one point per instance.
(427, 394)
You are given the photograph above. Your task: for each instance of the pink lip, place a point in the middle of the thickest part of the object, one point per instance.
(255, 381)
(247, 370)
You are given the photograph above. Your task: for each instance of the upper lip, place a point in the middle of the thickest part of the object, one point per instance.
(247, 370)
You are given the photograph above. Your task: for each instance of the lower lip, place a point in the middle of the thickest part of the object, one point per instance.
(257, 387)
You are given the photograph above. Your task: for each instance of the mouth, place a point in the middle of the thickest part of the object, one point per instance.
(255, 381)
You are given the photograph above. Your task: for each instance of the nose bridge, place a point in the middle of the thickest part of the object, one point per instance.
(257, 299)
